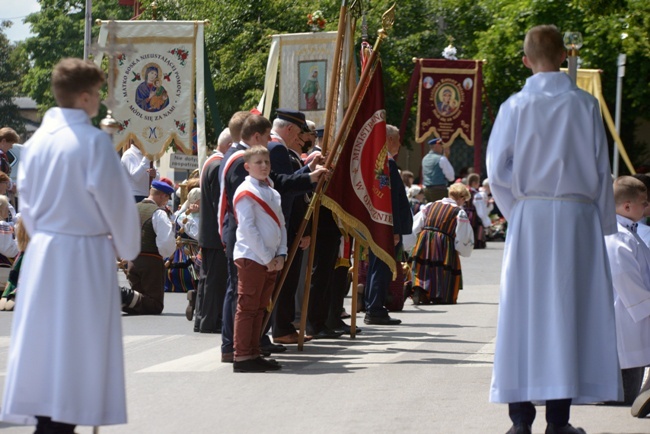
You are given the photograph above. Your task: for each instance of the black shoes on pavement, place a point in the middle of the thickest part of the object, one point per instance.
(191, 302)
(256, 365)
(381, 320)
(568, 429)
(550, 429)
(520, 428)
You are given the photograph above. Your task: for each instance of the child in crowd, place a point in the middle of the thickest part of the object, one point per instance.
(416, 198)
(9, 248)
(443, 232)
(629, 260)
(476, 209)
(259, 253)
(8, 300)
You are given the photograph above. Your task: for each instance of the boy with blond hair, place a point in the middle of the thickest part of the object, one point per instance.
(259, 253)
(629, 261)
(556, 333)
(65, 364)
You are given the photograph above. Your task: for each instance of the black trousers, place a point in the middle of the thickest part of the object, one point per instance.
(557, 412)
(210, 294)
(46, 425)
(339, 285)
(320, 297)
(285, 307)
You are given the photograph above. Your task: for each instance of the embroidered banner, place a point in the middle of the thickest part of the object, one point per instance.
(305, 60)
(449, 100)
(157, 84)
(359, 189)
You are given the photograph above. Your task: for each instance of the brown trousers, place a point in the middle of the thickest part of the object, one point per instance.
(146, 274)
(254, 290)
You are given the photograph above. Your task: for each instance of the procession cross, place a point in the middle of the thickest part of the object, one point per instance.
(112, 51)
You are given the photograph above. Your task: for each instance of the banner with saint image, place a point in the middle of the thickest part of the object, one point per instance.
(157, 84)
(449, 100)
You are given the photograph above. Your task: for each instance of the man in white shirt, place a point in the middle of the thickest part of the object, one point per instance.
(140, 172)
(146, 273)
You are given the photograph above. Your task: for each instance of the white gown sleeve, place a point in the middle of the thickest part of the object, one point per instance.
(499, 159)
(464, 235)
(627, 276)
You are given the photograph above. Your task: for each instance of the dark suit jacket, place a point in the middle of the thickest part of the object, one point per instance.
(208, 227)
(402, 216)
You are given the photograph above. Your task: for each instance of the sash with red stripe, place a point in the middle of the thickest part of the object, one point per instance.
(254, 195)
(211, 158)
(223, 197)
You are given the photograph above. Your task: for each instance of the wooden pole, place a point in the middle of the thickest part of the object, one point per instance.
(339, 142)
(355, 282)
(335, 76)
(310, 266)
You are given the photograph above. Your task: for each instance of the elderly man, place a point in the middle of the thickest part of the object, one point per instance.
(437, 172)
(379, 274)
(146, 273)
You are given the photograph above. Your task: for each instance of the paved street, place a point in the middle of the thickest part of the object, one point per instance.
(429, 375)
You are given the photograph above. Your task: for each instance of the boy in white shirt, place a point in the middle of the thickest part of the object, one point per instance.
(629, 260)
(259, 253)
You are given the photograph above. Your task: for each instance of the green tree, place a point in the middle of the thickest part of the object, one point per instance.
(9, 113)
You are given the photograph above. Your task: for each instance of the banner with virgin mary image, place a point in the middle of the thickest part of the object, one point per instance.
(449, 100)
(155, 84)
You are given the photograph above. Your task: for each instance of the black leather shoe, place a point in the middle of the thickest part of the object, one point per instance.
(345, 329)
(273, 348)
(381, 320)
(269, 364)
(191, 302)
(568, 429)
(327, 333)
(520, 428)
(250, 365)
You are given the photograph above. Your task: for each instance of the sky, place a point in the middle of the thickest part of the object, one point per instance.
(16, 11)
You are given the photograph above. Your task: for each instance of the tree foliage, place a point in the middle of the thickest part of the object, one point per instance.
(237, 42)
(11, 68)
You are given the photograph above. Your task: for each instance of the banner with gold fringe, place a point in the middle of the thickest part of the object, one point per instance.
(359, 189)
(158, 84)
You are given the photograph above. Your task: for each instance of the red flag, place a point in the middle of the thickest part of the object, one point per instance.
(359, 189)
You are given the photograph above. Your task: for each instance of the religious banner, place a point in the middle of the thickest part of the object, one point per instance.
(449, 100)
(157, 86)
(305, 61)
(359, 189)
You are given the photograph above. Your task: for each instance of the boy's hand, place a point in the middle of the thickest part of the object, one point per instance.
(279, 261)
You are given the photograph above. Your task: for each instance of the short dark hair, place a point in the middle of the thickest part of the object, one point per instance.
(254, 124)
(72, 77)
(9, 134)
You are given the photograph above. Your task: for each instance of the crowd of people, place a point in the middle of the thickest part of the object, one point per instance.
(576, 280)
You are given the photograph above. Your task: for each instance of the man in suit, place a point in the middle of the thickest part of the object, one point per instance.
(285, 148)
(379, 274)
(213, 282)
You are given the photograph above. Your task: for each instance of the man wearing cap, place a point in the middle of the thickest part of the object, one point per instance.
(146, 273)
(285, 147)
(437, 172)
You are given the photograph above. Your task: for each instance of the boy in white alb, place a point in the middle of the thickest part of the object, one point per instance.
(629, 260)
(259, 253)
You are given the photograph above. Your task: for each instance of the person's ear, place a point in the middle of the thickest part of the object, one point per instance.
(246, 166)
(526, 62)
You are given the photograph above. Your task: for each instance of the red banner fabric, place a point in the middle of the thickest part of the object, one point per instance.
(449, 100)
(359, 189)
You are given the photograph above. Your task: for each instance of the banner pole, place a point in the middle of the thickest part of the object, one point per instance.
(335, 76)
(330, 162)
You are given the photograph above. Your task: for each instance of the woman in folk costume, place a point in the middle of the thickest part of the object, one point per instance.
(444, 232)
(65, 365)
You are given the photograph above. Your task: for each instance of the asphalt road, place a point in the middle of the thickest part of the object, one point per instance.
(429, 375)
